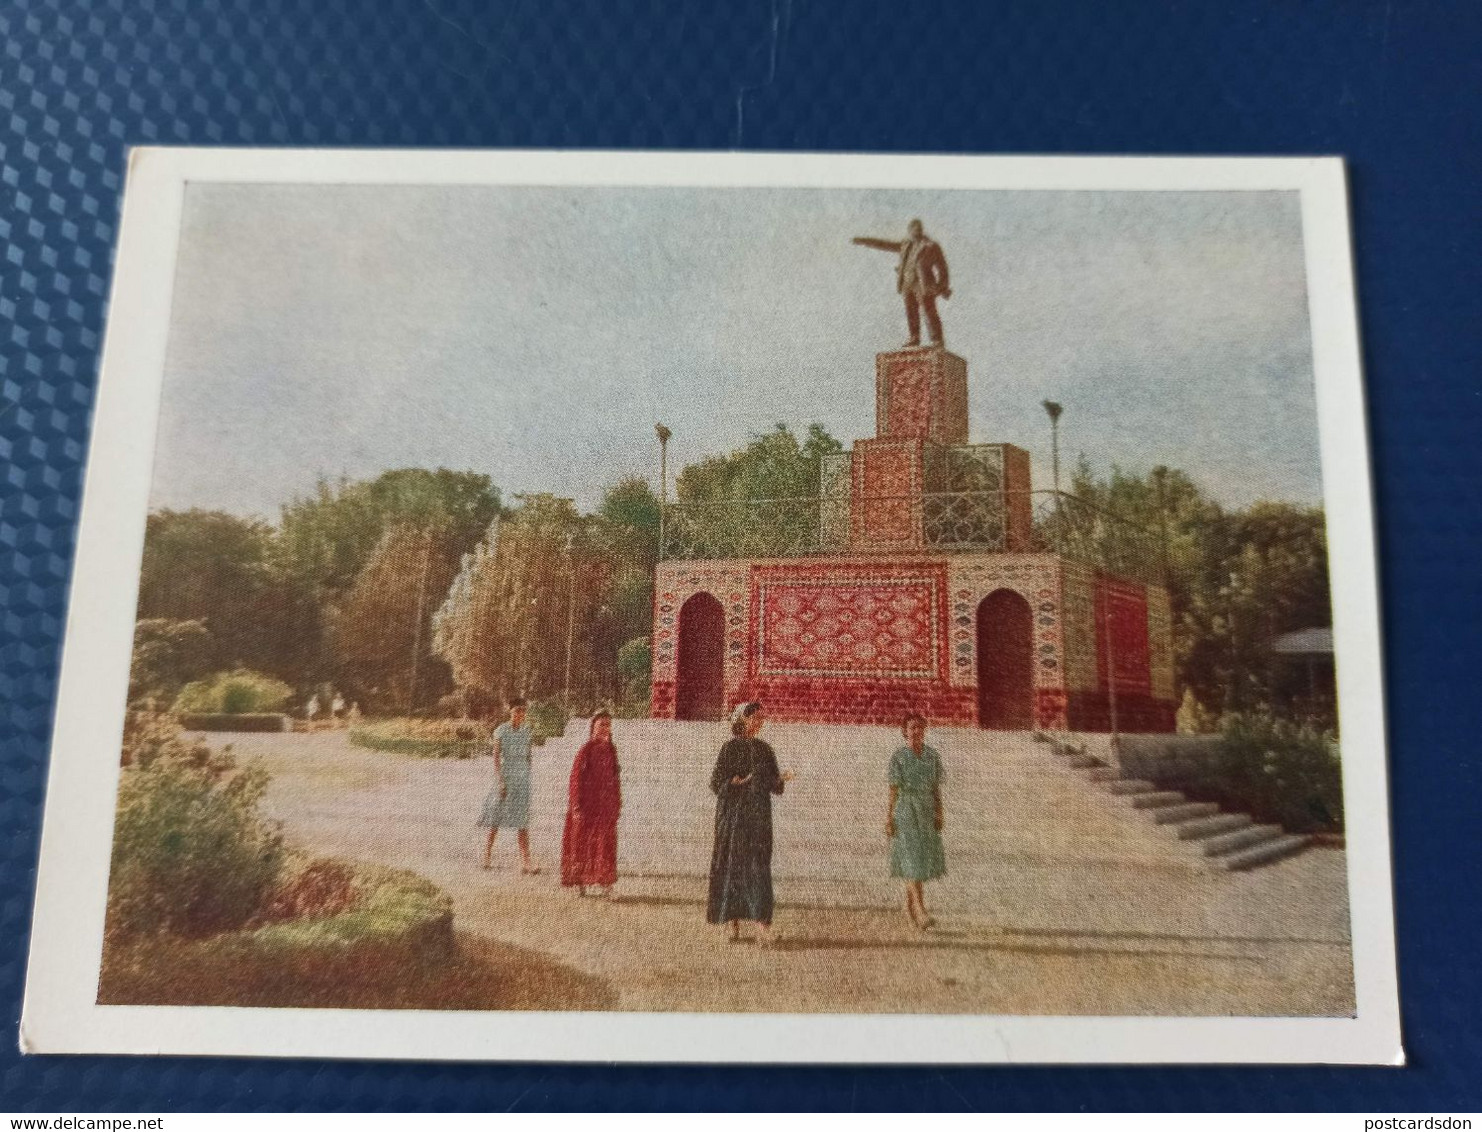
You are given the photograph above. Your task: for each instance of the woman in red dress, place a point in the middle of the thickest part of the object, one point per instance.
(589, 845)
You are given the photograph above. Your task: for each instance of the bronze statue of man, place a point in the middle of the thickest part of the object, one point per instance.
(920, 276)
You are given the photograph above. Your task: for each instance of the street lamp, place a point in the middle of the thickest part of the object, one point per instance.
(663, 434)
(1054, 409)
(570, 618)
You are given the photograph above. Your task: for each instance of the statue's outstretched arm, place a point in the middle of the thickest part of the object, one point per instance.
(882, 245)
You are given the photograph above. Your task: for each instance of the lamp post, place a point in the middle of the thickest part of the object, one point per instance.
(570, 618)
(663, 434)
(1053, 409)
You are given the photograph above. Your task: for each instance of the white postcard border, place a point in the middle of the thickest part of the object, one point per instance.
(60, 1015)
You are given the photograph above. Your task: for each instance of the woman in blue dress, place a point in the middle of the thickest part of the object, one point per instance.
(508, 803)
(915, 822)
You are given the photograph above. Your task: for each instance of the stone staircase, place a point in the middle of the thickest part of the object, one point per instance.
(1232, 842)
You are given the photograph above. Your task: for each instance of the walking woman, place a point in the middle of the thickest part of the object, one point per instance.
(508, 803)
(743, 782)
(914, 825)
(594, 799)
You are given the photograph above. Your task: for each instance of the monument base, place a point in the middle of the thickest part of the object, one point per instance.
(1001, 641)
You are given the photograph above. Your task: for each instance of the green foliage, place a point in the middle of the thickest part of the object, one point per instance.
(391, 907)
(381, 632)
(242, 721)
(631, 504)
(325, 539)
(168, 654)
(217, 570)
(635, 665)
(239, 692)
(775, 465)
(424, 738)
(540, 578)
(1284, 772)
(547, 720)
(1236, 579)
(719, 517)
(191, 855)
(1193, 718)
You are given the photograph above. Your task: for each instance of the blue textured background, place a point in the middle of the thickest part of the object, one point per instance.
(1391, 85)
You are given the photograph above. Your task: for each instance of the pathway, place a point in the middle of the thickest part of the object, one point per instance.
(1059, 900)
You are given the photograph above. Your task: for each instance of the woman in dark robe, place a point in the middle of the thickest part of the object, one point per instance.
(743, 782)
(594, 800)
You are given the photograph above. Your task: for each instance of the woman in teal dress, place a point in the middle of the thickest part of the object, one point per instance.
(508, 803)
(915, 822)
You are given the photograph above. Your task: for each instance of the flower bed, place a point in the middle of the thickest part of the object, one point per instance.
(424, 738)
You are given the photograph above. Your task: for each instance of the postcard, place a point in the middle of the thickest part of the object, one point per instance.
(723, 608)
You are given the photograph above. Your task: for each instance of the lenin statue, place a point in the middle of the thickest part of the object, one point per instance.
(920, 276)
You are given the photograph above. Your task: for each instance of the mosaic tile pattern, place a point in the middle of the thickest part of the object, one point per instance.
(1032, 577)
(850, 627)
(921, 395)
(886, 513)
(1078, 607)
(676, 583)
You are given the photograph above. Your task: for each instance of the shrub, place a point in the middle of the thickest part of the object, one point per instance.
(253, 722)
(240, 692)
(634, 666)
(425, 738)
(392, 908)
(1193, 718)
(315, 888)
(1285, 772)
(547, 720)
(191, 855)
(166, 655)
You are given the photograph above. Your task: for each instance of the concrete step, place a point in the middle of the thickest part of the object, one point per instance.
(1168, 815)
(1272, 850)
(1157, 799)
(1130, 786)
(1211, 826)
(1239, 839)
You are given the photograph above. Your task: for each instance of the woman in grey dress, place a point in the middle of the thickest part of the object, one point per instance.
(508, 803)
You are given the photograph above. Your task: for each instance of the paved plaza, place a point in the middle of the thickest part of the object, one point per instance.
(1059, 898)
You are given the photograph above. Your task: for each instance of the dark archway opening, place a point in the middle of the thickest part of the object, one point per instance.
(1005, 662)
(701, 678)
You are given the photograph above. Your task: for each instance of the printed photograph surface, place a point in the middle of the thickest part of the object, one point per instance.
(734, 600)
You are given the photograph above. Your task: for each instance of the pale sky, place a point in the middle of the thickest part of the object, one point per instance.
(536, 334)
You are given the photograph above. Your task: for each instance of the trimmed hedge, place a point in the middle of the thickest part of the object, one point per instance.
(239, 692)
(394, 947)
(258, 721)
(394, 910)
(423, 738)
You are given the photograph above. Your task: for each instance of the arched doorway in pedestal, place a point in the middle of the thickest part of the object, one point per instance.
(1005, 662)
(700, 689)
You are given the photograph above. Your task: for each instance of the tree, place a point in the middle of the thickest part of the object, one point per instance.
(215, 569)
(325, 539)
(503, 628)
(757, 501)
(167, 656)
(381, 629)
(1237, 579)
(774, 465)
